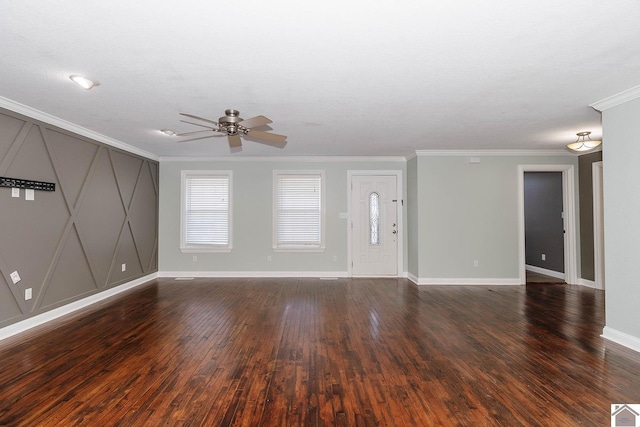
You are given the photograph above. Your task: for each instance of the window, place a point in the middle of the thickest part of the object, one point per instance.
(206, 211)
(374, 219)
(298, 203)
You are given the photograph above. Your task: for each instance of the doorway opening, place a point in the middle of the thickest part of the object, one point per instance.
(568, 219)
(544, 227)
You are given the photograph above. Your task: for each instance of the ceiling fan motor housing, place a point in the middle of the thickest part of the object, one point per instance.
(229, 122)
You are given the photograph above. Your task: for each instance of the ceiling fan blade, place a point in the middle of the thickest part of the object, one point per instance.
(198, 124)
(274, 137)
(279, 144)
(235, 141)
(195, 139)
(200, 118)
(255, 122)
(194, 132)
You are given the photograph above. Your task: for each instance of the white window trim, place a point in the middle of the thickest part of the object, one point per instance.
(274, 225)
(183, 196)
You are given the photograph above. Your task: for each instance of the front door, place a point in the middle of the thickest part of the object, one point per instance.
(374, 225)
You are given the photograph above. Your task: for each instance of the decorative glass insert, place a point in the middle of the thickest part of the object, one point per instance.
(374, 219)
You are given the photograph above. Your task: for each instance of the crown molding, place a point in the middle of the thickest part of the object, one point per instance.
(47, 118)
(492, 153)
(617, 99)
(299, 159)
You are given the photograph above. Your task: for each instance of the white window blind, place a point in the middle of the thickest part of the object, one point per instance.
(298, 211)
(206, 215)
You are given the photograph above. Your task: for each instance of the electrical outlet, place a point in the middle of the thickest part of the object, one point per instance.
(195, 258)
(335, 258)
(124, 267)
(268, 257)
(476, 263)
(27, 294)
(544, 257)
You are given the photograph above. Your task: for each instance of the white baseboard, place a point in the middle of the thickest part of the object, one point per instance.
(587, 283)
(48, 316)
(540, 270)
(413, 278)
(251, 274)
(464, 281)
(621, 338)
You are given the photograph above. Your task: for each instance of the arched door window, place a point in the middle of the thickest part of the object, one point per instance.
(374, 218)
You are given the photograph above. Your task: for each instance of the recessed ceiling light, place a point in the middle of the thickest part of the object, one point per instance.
(169, 132)
(83, 82)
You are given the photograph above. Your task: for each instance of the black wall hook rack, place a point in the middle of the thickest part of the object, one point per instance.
(25, 183)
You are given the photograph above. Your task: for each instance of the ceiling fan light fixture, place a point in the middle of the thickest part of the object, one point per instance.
(169, 132)
(584, 143)
(83, 82)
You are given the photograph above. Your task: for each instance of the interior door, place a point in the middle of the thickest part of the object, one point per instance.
(374, 225)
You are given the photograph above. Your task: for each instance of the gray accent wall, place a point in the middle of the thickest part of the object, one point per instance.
(543, 223)
(71, 243)
(585, 163)
(621, 151)
(252, 207)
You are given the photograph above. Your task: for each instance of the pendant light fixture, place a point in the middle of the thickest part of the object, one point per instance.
(584, 143)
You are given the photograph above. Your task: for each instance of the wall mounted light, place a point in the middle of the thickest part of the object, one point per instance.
(84, 82)
(169, 132)
(584, 143)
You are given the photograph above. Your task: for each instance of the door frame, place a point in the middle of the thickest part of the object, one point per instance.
(569, 209)
(598, 224)
(399, 214)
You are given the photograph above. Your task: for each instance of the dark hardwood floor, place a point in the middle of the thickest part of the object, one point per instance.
(538, 278)
(308, 352)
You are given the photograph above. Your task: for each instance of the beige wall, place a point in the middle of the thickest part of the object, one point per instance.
(621, 150)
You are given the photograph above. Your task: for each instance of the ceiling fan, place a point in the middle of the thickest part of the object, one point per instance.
(232, 125)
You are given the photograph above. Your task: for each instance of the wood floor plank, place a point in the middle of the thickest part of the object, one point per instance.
(309, 352)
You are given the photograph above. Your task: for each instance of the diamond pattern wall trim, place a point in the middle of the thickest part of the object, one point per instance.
(71, 243)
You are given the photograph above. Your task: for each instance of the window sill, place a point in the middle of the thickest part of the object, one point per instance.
(201, 250)
(299, 249)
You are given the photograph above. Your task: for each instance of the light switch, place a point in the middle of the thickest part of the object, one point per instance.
(15, 277)
(29, 194)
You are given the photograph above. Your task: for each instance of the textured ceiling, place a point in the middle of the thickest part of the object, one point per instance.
(338, 77)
